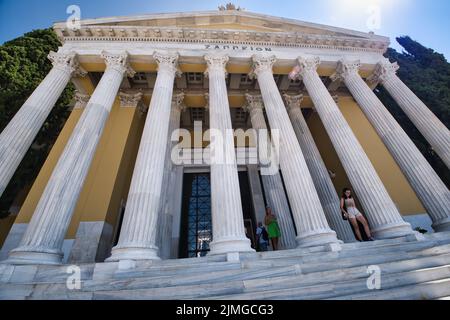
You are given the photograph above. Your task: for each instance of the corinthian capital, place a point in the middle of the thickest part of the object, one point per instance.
(216, 62)
(177, 101)
(292, 102)
(384, 70)
(67, 62)
(254, 103)
(307, 64)
(206, 95)
(262, 63)
(346, 68)
(81, 100)
(130, 99)
(118, 62)
(167, 61)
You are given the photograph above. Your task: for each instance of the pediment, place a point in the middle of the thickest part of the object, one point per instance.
(224, 25)
(224, 20)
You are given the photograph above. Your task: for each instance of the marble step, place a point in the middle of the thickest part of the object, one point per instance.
(15, 291)
(265, 278)
(322, 265)
(48, 282)
(337, 275)
(348, 262)
(253, 281)
(44, 292)
(191, 279)
(161, 270)
(322, 250)
(352, 288)
(353, 252)
(431, 290)
(58, 274)
(439, 235)
(30, 274)
(421, 284)
(294, 254)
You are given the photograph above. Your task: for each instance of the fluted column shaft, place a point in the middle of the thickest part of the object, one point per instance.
(169, 187)
(312, 226)
(273, 185)
(137, 239)
(384, 218)
(227, 216)
(44, 236)
(430, 189)
(434, 131)
(19, 134)
(319, 173)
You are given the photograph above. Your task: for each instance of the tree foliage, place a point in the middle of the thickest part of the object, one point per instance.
(427, 74)
(23, 65)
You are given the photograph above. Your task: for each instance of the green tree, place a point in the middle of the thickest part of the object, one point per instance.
(23, 65)
(427, 74)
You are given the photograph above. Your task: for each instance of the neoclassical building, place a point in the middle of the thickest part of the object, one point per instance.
(122, 183)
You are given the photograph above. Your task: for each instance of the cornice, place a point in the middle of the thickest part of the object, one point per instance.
(237, 37)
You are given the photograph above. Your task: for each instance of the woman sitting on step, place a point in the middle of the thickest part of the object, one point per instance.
(350, 212)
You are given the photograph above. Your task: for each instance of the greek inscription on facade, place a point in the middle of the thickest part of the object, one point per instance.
(236, 47)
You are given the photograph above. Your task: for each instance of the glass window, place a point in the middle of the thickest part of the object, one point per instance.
(195, 77)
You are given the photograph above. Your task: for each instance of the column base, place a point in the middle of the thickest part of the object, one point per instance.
(230, 246)
(317, 238)
(27, 256)
(394, 230)
(130, 253)
(441, 225)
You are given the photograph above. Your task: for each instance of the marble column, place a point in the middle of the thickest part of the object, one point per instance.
(430, 189)
(256, 189)
(44, 237)
(175, 208)
(312, 226)
(319, 172)
(384, 217)
(227, 216)
(138, 235)
(19, 134)
(273, 185)
(434, 131)
(169, 187)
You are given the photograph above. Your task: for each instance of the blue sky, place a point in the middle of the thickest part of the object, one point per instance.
(425, 21)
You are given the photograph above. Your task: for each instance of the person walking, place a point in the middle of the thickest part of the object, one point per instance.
(273, 229)
(262, 237)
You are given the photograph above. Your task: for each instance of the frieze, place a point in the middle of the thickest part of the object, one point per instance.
(221, 40)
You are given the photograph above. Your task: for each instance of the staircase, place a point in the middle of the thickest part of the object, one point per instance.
(409, 270)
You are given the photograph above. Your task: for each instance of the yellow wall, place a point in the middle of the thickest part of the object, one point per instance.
(37, 189)
(98, 198)
(327, 152)
(97, 192)
(385, 165)
(125, 172)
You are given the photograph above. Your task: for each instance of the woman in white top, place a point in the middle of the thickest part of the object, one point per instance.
(350, 212)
